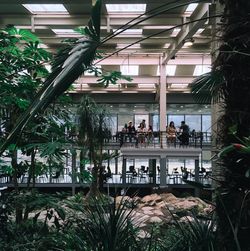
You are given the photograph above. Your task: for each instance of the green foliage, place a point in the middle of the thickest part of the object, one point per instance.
(112, 78)
(208, 87)
(195, 235)
(93, 124)
(105, 227)
(68, 65)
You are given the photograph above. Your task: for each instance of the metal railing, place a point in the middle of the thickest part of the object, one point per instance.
(158, 139)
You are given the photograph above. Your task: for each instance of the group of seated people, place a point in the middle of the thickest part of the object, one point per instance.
(182, 133)
(141, 135)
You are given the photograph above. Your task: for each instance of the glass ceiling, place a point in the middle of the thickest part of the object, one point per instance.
(43, 8)
(130, 8)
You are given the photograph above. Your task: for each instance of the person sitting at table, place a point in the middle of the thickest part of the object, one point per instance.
(141, 133)
(125, 128)
(171, 133)
(106, 174)
(143, 122)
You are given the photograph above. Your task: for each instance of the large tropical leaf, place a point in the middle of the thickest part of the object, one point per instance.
(68, 66)
(207, 87)
(21, 34)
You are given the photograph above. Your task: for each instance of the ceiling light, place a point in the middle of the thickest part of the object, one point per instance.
(179, 86)
(128, 31)
(199, 31)
(138, 8)
(166, 45)
(188, 42)
(64, 31)
(43, 46)
(134, 46)
(44, 8)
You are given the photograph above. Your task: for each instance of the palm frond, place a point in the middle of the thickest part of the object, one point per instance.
(68, 66)
(207, 87)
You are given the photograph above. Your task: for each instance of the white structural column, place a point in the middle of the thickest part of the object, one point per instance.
(163, 103)
(163, 171)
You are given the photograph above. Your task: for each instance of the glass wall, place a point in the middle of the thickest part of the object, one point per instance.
(206, 123)
(197, 117)
(124, 119)
(194, 122)
(139, 118)
(176, 119)
(156, 122)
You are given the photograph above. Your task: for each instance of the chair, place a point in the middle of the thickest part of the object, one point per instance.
(56, 176)
(184, 172)
(131, 174)
(143, 172)
(175, 175)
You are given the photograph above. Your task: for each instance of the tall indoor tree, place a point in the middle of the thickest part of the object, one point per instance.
(233, 61)
(93, 129)
(228, 84)
(22, 69)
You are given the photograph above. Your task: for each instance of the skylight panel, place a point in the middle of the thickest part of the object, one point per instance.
(175, 32)
(64, 31)
(199, 31)
(201, 69)
(170, 70)
(179, 86)
(45, 8)
(134, 46)
(191, 7)
(43, 46)
(129, 31)
(146, 86)
(166, 45)
(132, 70)
(126, 8)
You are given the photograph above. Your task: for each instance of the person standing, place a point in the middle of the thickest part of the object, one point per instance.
(184, 134)
(131, 131)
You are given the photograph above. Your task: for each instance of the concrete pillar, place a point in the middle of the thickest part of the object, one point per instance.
(196, 176)
(73, 165)
(163, 172)
(124, 167)
(116, 163)
(163, 104)
(152, 171)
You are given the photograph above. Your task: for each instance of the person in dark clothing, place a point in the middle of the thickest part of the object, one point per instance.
(184, 134)
(131, 131)
(131, 128)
